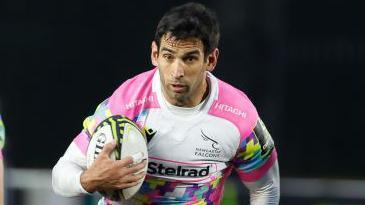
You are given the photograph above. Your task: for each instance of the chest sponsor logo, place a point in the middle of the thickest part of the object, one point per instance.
(213, 151)
(178, 171)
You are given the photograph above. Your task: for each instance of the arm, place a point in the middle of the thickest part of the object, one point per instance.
(257, 166)
(66, 173)
(266, 190)
(71, 178)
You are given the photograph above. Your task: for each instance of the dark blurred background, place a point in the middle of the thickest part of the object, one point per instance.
(301, 63)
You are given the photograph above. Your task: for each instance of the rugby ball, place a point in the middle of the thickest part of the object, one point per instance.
(130, 140)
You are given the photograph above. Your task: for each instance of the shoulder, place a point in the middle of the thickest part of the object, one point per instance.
(135, 93)
(138, 82)
(234, 105)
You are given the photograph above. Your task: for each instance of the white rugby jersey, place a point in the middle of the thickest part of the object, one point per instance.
(191, 150)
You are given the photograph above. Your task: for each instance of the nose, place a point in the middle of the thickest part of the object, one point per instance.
(177, 70)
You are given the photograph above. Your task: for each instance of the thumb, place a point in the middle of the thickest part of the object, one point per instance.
(108, 148)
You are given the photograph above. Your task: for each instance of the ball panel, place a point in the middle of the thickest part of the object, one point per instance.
(99, 139)
(134, 142)
(129, 139)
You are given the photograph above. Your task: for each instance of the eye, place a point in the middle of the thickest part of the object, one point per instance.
(168, 56)
(190, 59)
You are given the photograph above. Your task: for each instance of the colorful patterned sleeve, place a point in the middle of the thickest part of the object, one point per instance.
(102, 112)
(256, 154)
(2, 136)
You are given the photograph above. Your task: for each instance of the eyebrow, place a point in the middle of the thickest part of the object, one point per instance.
(195, 52)
(168, 50)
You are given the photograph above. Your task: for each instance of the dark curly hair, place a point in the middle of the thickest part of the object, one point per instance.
(190, 20)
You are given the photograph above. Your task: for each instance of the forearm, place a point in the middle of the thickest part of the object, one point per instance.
(266, 191)
(66, 173)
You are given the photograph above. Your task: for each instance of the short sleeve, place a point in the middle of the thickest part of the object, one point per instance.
(256, 154)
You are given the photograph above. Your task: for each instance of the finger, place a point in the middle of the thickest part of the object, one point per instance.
(136, 168)
(133, 177)
(140, 165)
(127, 185)
(108, 148)
(138, 157)
(125, 161)
(140, 175)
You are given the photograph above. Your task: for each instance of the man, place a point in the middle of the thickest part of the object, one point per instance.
(198, 127)
(2, 141)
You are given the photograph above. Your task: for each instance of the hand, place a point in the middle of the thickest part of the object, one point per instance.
(107, 174)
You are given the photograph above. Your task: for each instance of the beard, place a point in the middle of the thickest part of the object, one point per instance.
(178, 98)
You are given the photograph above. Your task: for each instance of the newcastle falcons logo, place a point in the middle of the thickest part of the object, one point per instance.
(206, 138)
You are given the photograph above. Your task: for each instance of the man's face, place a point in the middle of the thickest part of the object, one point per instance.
(182, 67)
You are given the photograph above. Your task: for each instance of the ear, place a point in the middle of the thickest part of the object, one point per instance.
(154, 53)
(212, 60)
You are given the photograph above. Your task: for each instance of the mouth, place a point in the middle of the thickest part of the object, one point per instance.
(178, 88)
